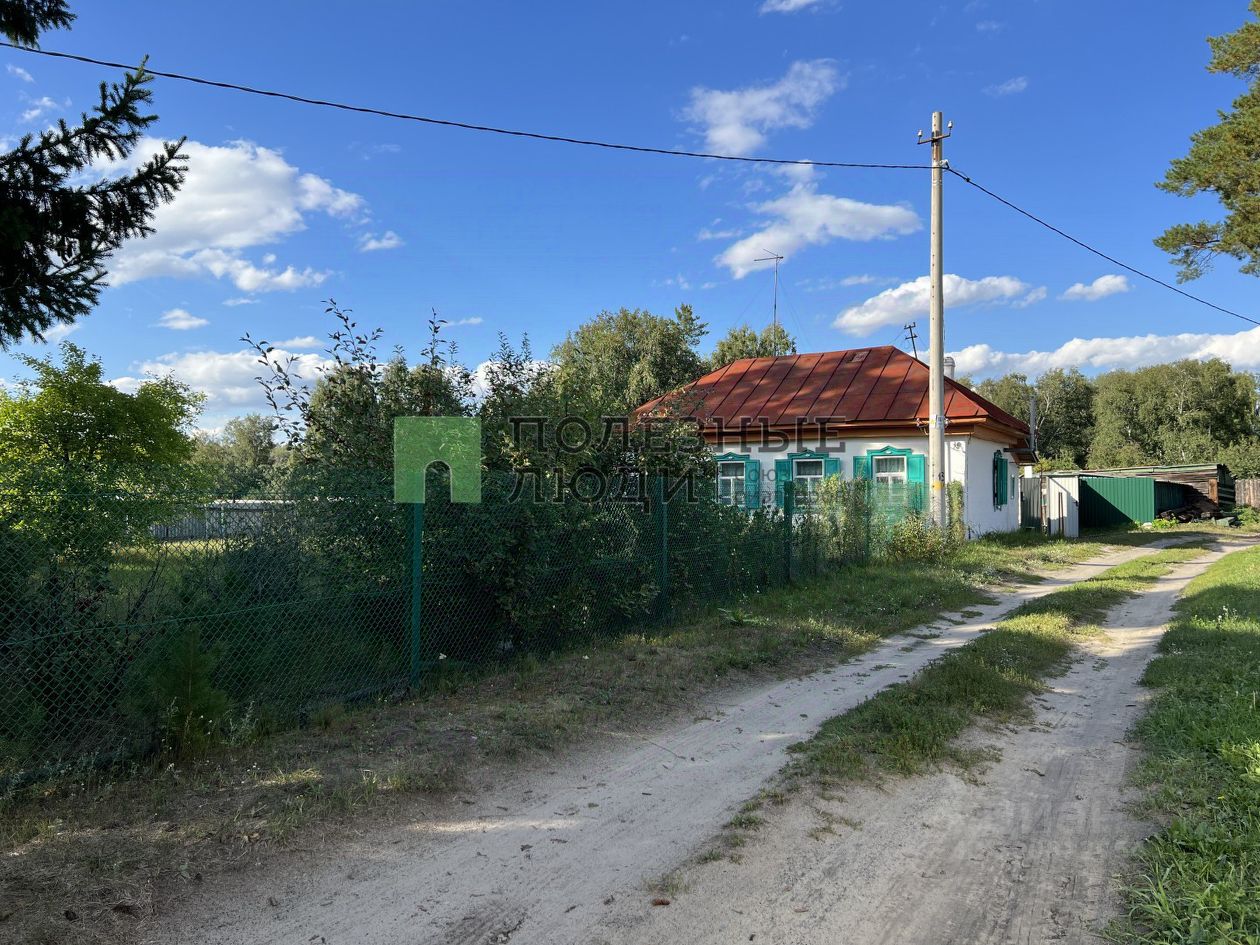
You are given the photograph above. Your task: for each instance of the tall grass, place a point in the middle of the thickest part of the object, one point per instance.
(1199, 876)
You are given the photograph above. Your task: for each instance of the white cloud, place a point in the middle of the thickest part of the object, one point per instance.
(474, 320)
(39, 106)
(736, 122)
(61, 330)
(910, 299)
(228, 378)
(1100, 288)
(243, 300)
(712, 234)
(1242, 350)
(1009, 87)
(236, 196)
(1032, 298)
(988, 26)
(370, 243)
(676, 282)
(305, 341)
(829, 283)
(804, 217)
(19, 72)
(177, 319)
(788, 6)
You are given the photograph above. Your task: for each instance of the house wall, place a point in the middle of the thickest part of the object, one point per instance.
(981, 516)
(967, 460)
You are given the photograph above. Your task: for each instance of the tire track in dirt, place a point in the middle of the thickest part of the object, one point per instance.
(554, 858)
(1027, 855)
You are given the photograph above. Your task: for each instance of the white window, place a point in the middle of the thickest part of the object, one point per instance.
(807, 475)
(731, 484)
(889, 469)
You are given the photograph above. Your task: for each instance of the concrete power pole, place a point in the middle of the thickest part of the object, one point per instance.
(936, 328)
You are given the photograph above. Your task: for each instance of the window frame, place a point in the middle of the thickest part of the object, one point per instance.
(803, 490)
(901, 477)
(739, 496)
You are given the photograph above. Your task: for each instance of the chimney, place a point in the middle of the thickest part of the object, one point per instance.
(949, 367)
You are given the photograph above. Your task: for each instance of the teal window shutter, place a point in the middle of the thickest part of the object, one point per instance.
(831, 467)
(782, 474)
(1005, 490)
(752, 483)
(1000, 488)
(916, 480)
(861, 467)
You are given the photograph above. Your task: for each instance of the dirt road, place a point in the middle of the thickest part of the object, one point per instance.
(567, 857)
(1028, 855)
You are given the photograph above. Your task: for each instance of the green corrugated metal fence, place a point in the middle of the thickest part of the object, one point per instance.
(1122, 500)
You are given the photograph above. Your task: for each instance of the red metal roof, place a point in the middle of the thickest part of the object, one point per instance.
(862, 385)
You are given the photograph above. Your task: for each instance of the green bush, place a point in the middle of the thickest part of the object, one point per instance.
(181, 697)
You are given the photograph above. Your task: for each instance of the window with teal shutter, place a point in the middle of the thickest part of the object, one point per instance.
(738, 480)
(752, 483)
(861, 467)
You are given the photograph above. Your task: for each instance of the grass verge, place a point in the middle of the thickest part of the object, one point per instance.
(1199, 877)
(914, 725)
(103, 847)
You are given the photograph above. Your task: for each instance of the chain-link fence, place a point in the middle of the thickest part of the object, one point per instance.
(135, 623)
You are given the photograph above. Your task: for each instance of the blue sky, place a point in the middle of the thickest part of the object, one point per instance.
(1071, 109)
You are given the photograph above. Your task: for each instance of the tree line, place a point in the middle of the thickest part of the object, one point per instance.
(1165, 414)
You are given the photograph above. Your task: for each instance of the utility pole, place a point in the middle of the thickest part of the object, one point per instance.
(936, 326)
(912, 337)
(774, 314)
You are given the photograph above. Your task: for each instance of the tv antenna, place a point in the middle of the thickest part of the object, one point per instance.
(774, 314)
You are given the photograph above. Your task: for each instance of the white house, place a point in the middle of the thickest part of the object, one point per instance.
(856, 414)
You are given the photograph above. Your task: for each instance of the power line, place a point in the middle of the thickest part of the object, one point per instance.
(467, 126)
(613, 146)
(1098, 252)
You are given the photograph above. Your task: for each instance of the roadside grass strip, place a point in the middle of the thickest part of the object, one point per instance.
(913, 726)
(1199, 877)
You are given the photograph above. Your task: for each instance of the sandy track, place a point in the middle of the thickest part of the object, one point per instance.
(1028, 855)
(565, 857)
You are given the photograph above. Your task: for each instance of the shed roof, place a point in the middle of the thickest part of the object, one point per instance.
(882, 385)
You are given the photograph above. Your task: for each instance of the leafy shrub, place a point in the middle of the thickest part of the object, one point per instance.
(916, 538)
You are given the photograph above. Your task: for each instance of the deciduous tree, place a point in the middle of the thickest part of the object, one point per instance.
(743, 341)
(619, 360)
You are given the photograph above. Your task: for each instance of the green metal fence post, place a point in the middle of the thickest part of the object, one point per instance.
(417, 571)
(662, 567)
(789, 509)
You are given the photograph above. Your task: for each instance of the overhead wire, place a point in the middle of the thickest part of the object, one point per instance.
(619, 146)
(451, 123)
(1098, 252)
